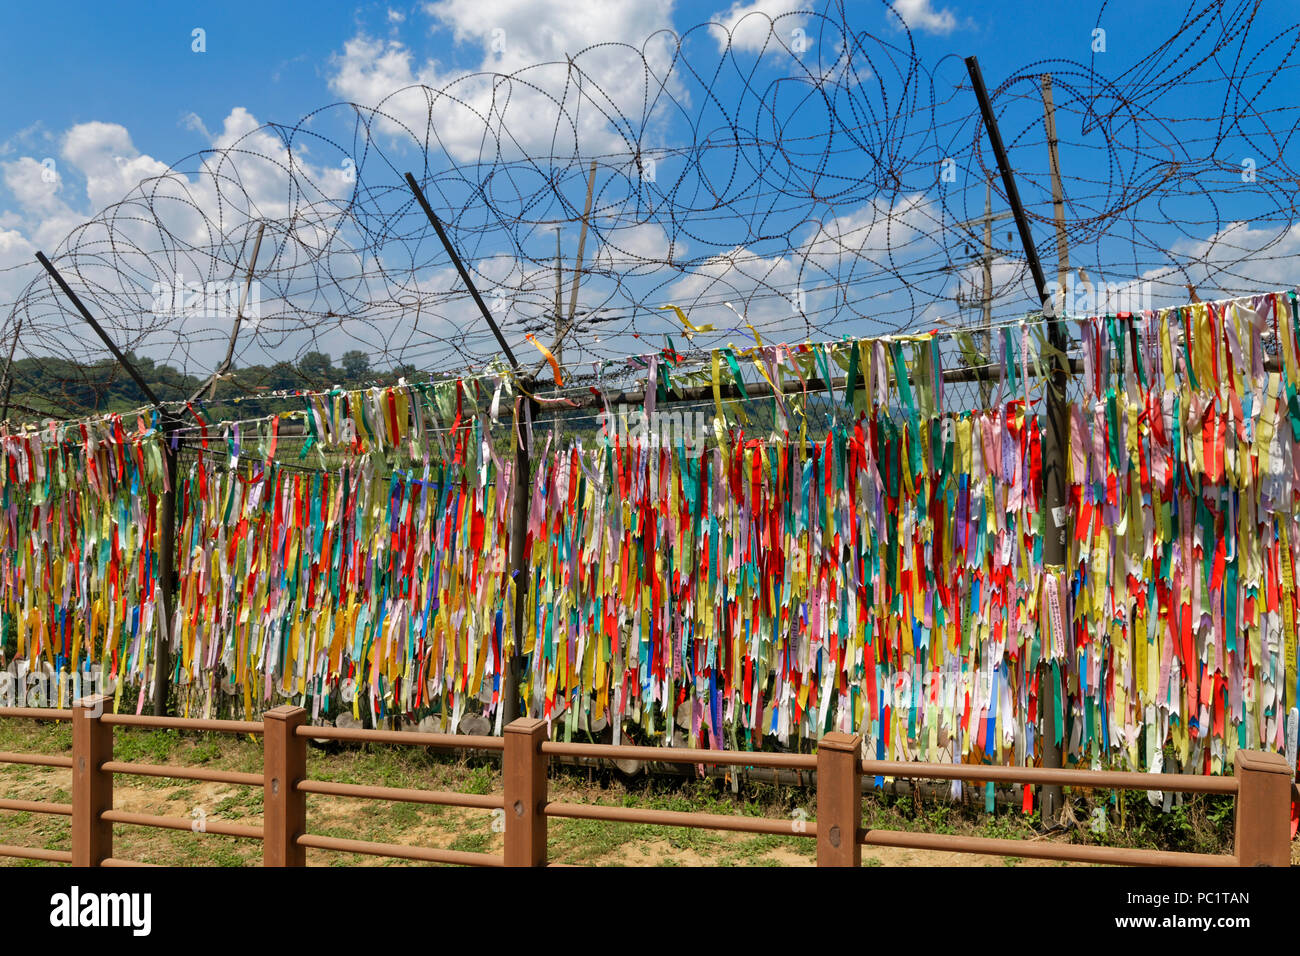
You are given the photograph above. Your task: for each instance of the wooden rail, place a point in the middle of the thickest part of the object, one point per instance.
(1262, 787)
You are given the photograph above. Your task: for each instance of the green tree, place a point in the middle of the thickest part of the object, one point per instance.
(316, 367)
(356, 365)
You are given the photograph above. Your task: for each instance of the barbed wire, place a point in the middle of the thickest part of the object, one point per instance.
(815, 182)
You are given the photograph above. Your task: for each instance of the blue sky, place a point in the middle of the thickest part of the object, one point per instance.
(111, 94)
(132, 63)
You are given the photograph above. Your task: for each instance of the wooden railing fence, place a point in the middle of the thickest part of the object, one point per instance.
(1262, 786)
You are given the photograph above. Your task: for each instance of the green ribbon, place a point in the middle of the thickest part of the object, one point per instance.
(851, 386)
(735, 372)
(909, 405)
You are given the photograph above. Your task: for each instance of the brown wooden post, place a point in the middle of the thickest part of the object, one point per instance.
(284, 807)
(839, 800)
(524, 769)
(92, 789)
(1263, 826)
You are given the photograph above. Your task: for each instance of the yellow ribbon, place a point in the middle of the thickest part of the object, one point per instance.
(691, 330)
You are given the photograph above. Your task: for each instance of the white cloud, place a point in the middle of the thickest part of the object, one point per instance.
(1011, 282)
(624, 247)
(105, 155)
(545, 108)
(42, 215)
(1237, 260)
(189, 221)
(873, 233)
(35, 186)
(192, 121)
(15, 249)
(765, 289)
(921, 15)
(863, 246)
(750, 26)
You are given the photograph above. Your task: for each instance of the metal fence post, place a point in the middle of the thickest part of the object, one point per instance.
(92, 789)
(1263, 818)
(839, 799)
(166, 579)
(284, 807)
(524, 770)
(518, 568)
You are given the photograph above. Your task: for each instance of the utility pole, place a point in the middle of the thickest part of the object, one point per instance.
(986, 258)
(988, 220)
(577, 271)
(1055, 435)
(582, 242)
(559, 294)
(1058, 195)
(224, 367)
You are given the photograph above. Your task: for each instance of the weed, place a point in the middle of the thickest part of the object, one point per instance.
(480, 780)
(205, 751)
(471, 843)
(404, 814)
(145, 746)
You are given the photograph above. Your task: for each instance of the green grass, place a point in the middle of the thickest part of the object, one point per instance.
(146, 746)
(471, 843)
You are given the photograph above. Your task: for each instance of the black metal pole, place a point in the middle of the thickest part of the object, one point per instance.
(512, 691)
(90, 319)
(460, 267)
(9, 369)
(510, 698)
(166, 579)
(166, 504)
(1008, 180)
(211, 384)
(1055, 436)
